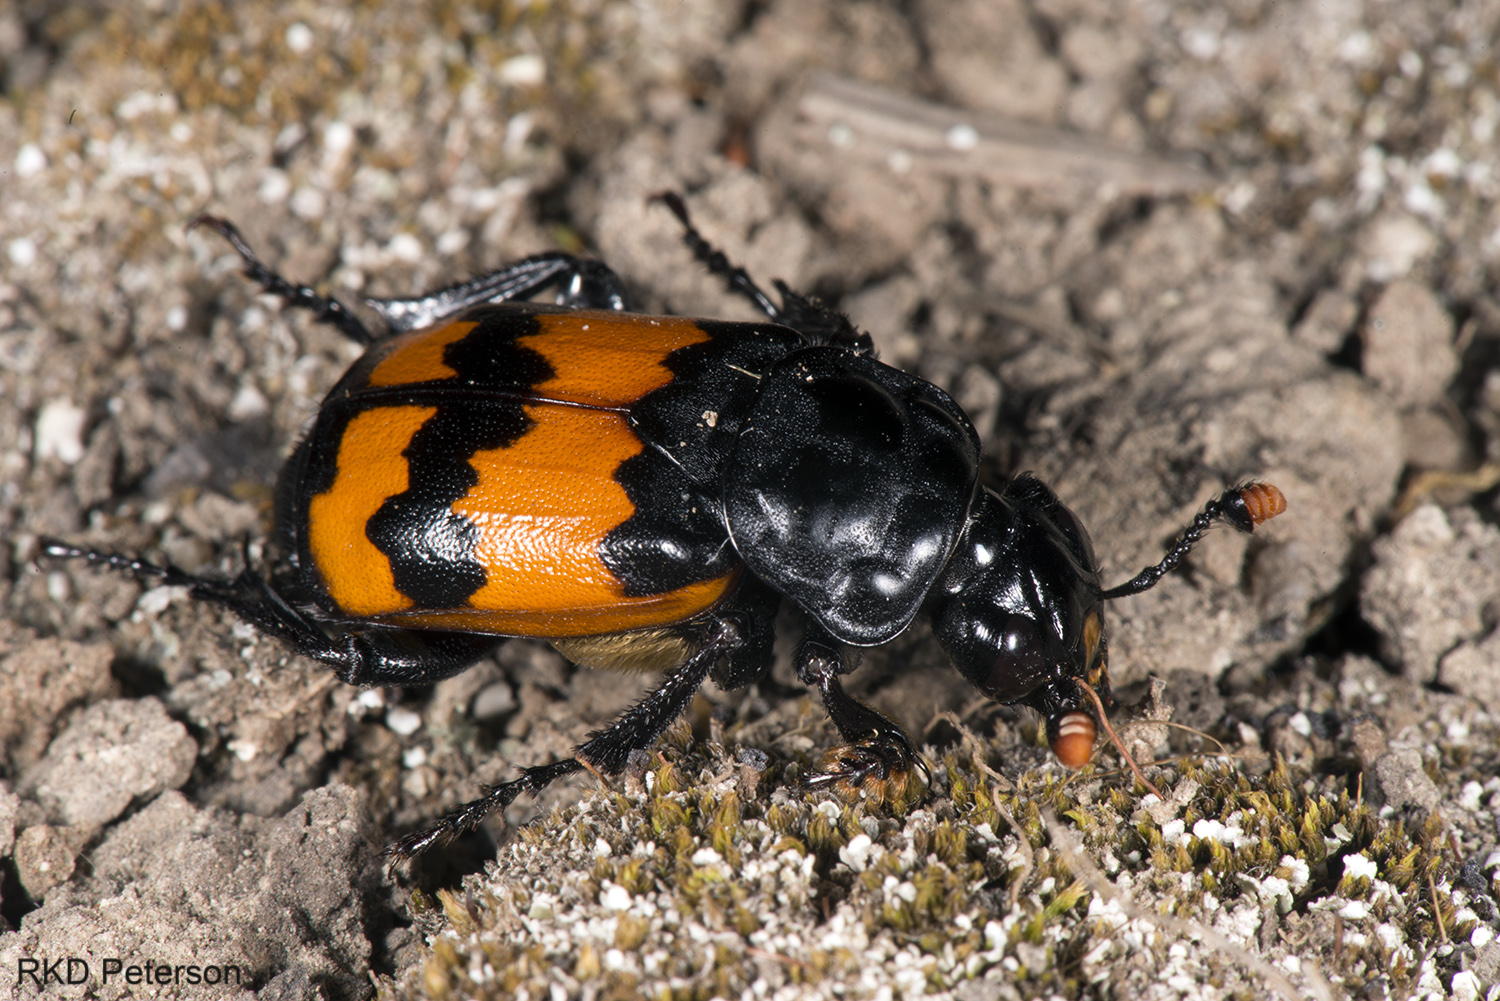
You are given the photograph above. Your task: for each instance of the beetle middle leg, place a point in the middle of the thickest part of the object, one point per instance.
(580, 284)
(876, 756)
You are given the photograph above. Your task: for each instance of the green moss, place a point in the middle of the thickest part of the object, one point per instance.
(934, 880)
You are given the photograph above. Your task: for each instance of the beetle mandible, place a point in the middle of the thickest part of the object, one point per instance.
(645, 492)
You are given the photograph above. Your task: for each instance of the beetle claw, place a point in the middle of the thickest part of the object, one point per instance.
(878, 769)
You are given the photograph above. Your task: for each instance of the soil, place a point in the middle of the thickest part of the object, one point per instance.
(1153, 249)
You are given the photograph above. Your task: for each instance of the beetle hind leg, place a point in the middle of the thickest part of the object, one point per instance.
(365, 657)
(606, 751)
(876, 758)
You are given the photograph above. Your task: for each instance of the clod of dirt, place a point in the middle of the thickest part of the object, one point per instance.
(114, 753)
(40, 680)
(281, 899)
(1433, 579)
(1403, 783)
(1408, 344)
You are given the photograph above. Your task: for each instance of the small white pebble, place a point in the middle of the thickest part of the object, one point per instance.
(247, 403)
(414, 757)
(308, 203)
(856, 854)
(403, 721)
(840, 136)
(1201, 43)
(962, 137)
(1466, 986)
(30, 160)
(614, 897)
(706, 856)
(59, 431)
(452, 242)
(1361, 865)
(523, 71)
(1355, 910)
(602, 848)
(22, 251)
(1469, 796)
(405, 247)
(1300, 871)
(299, 37)
(59, 587)
(275, 186)
(338, 136)
(155, 601)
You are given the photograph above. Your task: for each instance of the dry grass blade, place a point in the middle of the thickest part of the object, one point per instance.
(877, 124)
(1088, 690)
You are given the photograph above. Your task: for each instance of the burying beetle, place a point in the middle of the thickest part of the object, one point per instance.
(644, 492)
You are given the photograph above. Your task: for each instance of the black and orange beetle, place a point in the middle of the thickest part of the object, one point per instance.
(645, 492)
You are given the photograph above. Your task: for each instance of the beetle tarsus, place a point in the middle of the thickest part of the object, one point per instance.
(876, 758)
(804, 314)
(468, 817)
(717, 262)
(325, 309)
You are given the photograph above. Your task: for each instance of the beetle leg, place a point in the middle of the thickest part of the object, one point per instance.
(367, 657)
(753, 611)
(606, 751)
(326, 309)
(876, 757)
(580, 284)
(804, 314)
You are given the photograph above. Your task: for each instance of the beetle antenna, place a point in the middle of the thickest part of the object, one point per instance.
(1114, 738)
(1242, 507)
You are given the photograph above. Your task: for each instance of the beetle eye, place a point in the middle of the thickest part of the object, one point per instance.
(1020, 657)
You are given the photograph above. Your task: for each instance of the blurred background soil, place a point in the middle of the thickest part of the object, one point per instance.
(1152, 248)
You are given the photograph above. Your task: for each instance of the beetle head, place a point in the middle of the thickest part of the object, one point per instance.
(1020, 610)
(1019, 607)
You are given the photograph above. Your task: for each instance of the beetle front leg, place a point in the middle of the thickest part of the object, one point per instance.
(877, 757)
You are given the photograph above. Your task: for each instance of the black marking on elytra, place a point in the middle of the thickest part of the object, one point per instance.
(431, 547)
(676, 536)
(720, 378)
